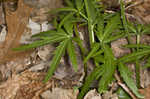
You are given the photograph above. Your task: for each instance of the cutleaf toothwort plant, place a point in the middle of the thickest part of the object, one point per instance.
(103, 28)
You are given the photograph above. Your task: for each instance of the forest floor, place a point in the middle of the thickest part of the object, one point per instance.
(22, 73)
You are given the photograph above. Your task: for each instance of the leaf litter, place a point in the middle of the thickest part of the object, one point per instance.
(29, 84)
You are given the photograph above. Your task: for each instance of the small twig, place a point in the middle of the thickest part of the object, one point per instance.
(124, 86)
(135, 4)
(109, 11)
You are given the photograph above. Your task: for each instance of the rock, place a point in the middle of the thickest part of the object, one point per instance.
(110, 95)
(38, 67)
(3, 33)
(34, 28)
(46, 52)
(46, 95)
(117, 48)
(92, 94)
(59, 93)
(39, 14)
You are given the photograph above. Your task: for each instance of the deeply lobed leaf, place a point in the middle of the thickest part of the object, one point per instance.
(72, 55)
(46, 40)
(96, 46)
(112, 25)
(90, 9)
(60, 50)
(90, 78)
(132, 56)
(126, 75)
(108, 69)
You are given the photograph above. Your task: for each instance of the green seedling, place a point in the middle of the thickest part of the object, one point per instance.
(103, 28)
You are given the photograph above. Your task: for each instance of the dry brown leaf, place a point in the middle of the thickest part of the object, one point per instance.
(59, 93)
(145, 92)
(26, 85)
(141, 11)
(16, 24)
(117, 48)
(92, 94)
(39, 14)
(2, 14)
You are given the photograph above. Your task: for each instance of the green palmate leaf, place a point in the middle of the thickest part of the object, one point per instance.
(72, 55)
(83, 15)
(90, 78)
(80, 44)
(45, 33)
(122, 94)
(100, 24)
(61, 31)
(132, 56)
(96, 46)
(35, 44)
(122, 6)
(68, 27)
(50, 33)
(137, 46)
(124, 21)
(56, 59)
(146, 29)
(66, 18)
(55, 23)
(91, 11)
(112, 25)
(69, 3)
(65, 9)
(58, 37)
(106, 79)
(132, 59)
(126, 75)
(108, 53)
(76, 20)
(139, 28)
(108, 69)
(79, 4)
(98, 53)
(53, 36)
(100, 27)
(100, 73)
(99, 59)
(113, 38)
(131, 27)
(107, 16)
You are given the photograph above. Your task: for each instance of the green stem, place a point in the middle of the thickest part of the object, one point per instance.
(137, 70)
(83, 50)
(83, 15)
(137, 65)
(91, 34)
(123, 17)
